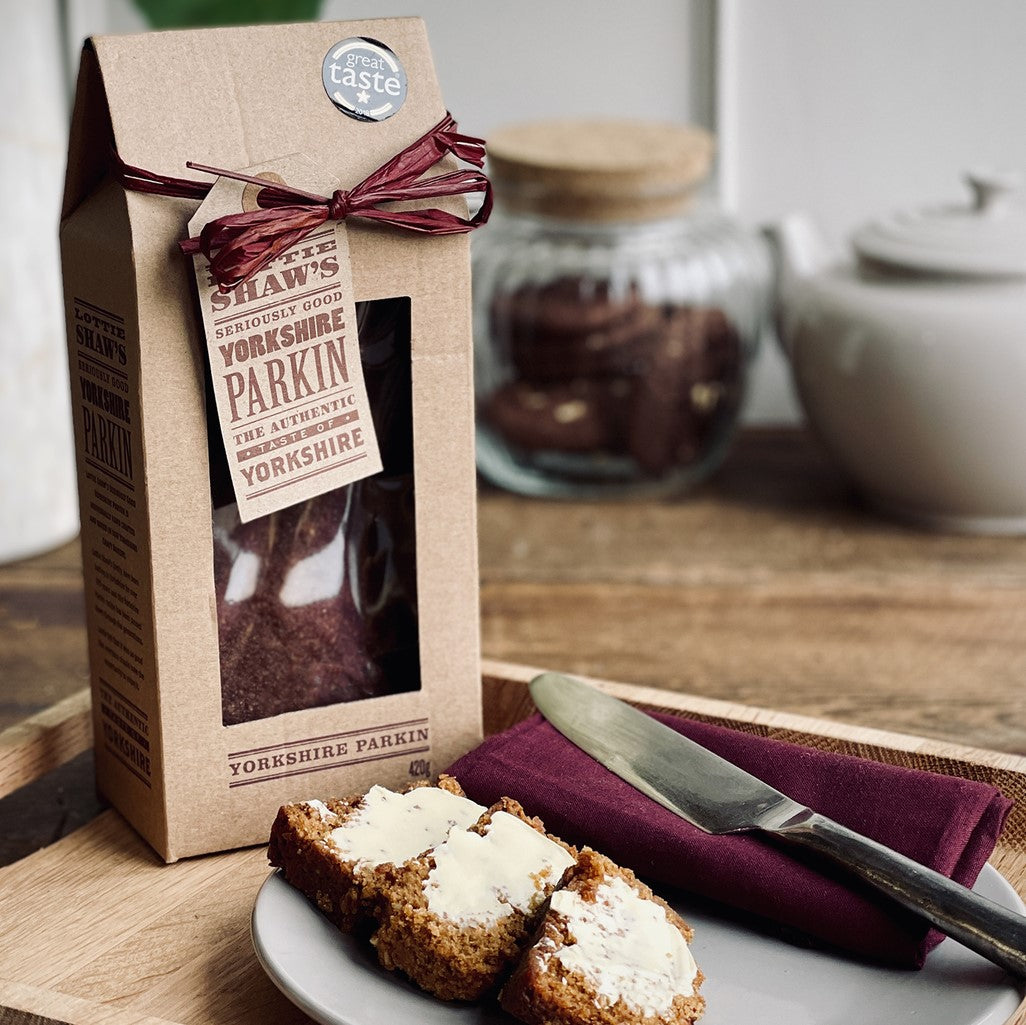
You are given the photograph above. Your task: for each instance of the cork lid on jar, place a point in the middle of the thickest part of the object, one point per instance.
(598, 170)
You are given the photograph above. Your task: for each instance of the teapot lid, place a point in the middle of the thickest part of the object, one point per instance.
(986, 238)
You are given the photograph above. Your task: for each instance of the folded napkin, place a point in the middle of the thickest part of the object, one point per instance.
(945, 822)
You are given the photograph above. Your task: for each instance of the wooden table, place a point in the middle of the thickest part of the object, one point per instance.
(770, 586)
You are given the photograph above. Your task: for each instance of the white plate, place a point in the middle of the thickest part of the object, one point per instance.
(750, 977)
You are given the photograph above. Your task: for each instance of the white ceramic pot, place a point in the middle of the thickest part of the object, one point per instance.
(911, 361)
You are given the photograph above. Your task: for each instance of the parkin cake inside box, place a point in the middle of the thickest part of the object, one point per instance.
(274, 434)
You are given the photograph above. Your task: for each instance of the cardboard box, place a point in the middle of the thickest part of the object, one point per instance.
(200, 734)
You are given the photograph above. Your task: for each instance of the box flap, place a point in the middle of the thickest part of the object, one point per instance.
(234, 97)
(89, 139)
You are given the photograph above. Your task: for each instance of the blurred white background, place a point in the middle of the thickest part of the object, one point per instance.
(38, 502)
(845, 110)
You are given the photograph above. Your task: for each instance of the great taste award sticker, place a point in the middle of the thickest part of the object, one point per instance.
(364, 79)
(285, 358)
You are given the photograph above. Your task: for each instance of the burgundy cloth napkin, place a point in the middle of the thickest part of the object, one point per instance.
(945, 822)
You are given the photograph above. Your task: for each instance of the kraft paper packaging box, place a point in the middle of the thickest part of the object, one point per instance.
(276, 472)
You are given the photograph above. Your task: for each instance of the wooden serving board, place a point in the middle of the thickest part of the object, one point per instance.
(96, 930)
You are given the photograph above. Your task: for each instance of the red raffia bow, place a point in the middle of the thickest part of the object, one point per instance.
(239, 245)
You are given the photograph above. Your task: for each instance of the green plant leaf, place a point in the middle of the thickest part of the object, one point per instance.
(204, 13)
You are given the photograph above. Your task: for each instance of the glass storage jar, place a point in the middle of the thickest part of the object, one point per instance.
(614, 320)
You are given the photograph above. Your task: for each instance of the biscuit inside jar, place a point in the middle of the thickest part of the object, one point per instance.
(650, 382)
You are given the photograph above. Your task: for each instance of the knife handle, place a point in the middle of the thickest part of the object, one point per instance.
(976, 922)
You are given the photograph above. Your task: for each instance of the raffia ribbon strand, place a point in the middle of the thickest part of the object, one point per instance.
(239, 245)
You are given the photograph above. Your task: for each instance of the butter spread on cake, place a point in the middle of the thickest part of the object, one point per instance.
(625, 947)
(481, 877)
(332, 850)
(389, 827)
(609, 952)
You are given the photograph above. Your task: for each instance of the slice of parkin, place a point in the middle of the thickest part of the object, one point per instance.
(608, 952)
(455, 919)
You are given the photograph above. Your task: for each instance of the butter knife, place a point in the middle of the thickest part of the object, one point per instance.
(718, 797)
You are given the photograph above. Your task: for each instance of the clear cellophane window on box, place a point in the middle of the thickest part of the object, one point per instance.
(317, 603)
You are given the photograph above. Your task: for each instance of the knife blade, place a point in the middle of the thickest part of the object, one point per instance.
(719, 797)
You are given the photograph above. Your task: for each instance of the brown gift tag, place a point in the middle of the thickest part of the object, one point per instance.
(285, 358)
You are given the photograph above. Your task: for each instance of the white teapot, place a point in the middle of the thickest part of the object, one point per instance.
(911, 361)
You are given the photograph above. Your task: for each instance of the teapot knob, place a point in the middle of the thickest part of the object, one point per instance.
(993, 191)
